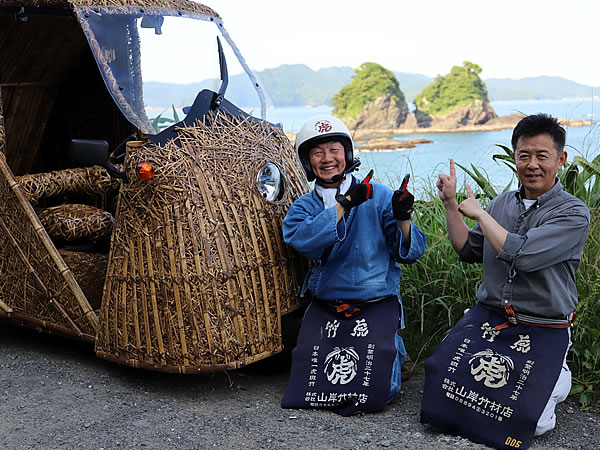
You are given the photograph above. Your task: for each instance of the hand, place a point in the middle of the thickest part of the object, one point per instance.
(470, 207)
(402, 201)
(357, 194)
(446, 184)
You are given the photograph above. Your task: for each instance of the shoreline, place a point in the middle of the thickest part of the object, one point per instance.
(367, 140)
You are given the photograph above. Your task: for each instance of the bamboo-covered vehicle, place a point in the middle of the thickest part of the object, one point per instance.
(163, 247)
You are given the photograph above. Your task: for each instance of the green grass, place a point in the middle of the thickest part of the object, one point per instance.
(437, 288)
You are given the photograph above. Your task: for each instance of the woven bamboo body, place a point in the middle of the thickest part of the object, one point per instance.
(36, 286)
(198, 274)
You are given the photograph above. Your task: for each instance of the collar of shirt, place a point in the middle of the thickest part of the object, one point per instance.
(556, 189)
(328, 194)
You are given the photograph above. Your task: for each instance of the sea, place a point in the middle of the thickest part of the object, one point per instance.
(475, 149)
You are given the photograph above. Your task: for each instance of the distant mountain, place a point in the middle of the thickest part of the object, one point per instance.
(535, 88)
(412, 83)
(239, 90)
(299, 85)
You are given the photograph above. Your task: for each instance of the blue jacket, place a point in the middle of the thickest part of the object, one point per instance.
(355, 259)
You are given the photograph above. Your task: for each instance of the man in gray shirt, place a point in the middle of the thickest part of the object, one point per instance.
(530, 243)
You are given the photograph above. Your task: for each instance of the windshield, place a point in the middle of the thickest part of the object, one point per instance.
(155, 61)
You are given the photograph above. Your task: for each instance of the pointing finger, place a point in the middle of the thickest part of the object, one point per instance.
(452, 169)
(469, 191)
(405, 181)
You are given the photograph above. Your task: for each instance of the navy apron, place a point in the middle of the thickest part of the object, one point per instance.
(489, 385)
(344, 363)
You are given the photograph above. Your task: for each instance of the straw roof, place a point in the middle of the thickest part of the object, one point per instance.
(183, 5)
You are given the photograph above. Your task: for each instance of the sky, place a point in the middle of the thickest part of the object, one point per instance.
(508, 39)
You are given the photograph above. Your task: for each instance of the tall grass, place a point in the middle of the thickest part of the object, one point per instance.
(585, 353)
(438, 288)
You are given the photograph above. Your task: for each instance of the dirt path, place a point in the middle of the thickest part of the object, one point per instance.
(54, 393)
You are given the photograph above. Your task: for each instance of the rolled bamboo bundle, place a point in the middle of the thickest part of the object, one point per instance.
(89, 180)
(198, 273)
(75, 222)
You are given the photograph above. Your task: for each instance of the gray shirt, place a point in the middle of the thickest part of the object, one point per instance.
(535, 269)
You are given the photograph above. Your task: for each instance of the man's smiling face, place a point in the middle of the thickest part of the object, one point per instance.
(328, 160)
(538, 162)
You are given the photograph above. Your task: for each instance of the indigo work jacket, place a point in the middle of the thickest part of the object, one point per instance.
(535, 269)
(356, 258)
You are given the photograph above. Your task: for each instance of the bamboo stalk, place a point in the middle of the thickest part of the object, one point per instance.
(198, 268)
(261, 273)
(284, 266)
(157, 327)
(186, 287)
(28, 320)
(215, 292)
(202, 184)
(136, 319)
(173, 268)
(168, 326)
(237, 321)
(106, 304)
(51, 300)
(238, 261)
(267, 239)
(123, 303)
(144, 294)
(5, 307)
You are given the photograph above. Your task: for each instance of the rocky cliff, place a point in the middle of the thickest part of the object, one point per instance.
(384, 114)
(477, 112)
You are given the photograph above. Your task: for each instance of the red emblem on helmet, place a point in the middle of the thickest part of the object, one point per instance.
(323, 126)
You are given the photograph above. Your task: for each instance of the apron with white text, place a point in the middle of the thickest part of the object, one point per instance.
(492, 385)
(344, 363)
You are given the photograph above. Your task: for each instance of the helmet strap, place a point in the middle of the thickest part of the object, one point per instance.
(327, 184)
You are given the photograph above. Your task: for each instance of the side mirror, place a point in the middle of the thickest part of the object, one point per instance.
(92, 152)
(155, 22)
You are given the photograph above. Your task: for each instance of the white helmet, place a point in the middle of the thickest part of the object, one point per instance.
(317, 130)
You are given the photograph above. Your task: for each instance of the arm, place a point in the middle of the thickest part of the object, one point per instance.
(560, 238)
(339, 211)
(404, 226)
(493, 232)
(311, 230)
(402, 205)
(458, 231)
(410, 239)
(412, 245)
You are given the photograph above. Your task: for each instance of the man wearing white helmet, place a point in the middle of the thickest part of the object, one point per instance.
(349, 354)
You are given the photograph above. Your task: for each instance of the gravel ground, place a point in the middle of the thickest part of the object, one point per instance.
(54, 393)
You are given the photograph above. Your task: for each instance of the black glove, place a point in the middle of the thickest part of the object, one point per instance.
(359, 193)
(402, 201)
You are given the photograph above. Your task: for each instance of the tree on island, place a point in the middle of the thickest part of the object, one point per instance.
(369, 82)
(458, 99)
(460, 87)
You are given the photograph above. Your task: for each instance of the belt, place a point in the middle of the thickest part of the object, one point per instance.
(349, 306)
(513, 318)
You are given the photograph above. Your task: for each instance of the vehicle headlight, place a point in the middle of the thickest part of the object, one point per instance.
(268, 181)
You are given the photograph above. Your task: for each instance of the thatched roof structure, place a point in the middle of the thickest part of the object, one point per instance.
(183, 5)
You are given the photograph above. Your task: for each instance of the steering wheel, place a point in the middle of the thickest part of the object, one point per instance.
(118, 154)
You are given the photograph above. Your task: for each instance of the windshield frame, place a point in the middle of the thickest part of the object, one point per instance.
(136, 115)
